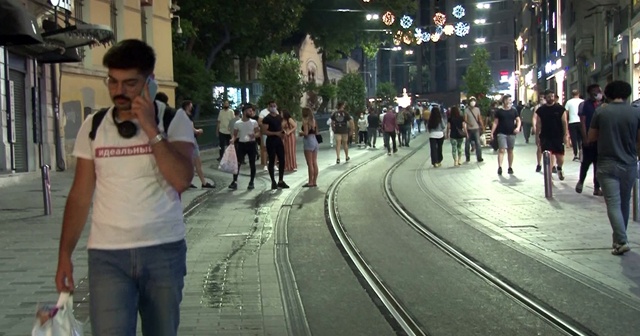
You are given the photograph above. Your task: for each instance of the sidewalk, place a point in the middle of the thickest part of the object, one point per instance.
(571, 230)
(231, 285)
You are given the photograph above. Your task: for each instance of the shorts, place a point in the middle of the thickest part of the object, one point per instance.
(264, 141)
(506, 141)
(342, 138)
(555, 146)
(310, 143)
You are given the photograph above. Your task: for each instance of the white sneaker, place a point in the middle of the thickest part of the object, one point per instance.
(266, 168)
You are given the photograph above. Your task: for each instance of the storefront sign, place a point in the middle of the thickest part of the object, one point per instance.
(528, 78)
(64, 4)
(552, 66)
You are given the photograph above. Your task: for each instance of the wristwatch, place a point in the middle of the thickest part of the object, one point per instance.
(158, 138)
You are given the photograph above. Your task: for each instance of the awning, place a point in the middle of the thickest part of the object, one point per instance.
(17, 25)
(80, 35)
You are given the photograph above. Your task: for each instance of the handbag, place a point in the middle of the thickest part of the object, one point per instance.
(319, 138)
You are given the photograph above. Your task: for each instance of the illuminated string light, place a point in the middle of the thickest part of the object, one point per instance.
(439, 19)
(462, 29)
(448, 30)
(435, 37)
(439, 30)
(458, 12)
(397, 38)
(425, 37)
(388, 18)
(406, 22)
(407, 38)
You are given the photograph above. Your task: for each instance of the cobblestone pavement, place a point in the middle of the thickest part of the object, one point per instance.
(231, 287)
(570, 231)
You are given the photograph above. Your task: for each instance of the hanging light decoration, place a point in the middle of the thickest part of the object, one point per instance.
(448, 30)
(425, 37)
(418, 31)
(439, 19)
(459, 12)
(439, 30)
(462, 29)
(407, 38)
(388, 18)
(406, 22)
(397, 38)
(435, 37)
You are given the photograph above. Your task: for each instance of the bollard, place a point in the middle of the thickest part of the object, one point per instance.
(636, 185)
(546, 165)
(46, 189)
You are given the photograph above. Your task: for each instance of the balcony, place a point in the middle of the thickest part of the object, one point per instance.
(584, 46)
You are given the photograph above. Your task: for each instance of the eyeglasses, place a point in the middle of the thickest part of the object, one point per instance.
(128, 84)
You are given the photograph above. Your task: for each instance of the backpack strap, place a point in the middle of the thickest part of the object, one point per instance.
(95, 122)
(167, 117)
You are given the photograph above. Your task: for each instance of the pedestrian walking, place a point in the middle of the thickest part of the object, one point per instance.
(224, 134)
(573, 108)
(272, 129)
(363, 126)
(552, 129)
(506, 125)
(343, 126)
(390, 129)
(289, 126)
(373, 120)
(457, 132)
(475, 130)
(245, 133)
(332, 134)
(615, 127)
(436, 126)
(310, 142)
(526, 115)
(589, 150)
(136, 167)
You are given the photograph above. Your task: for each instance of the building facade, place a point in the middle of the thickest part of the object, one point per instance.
(48, 88)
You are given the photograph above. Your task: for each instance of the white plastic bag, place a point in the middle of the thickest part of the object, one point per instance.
(57, 320)
(229, 162)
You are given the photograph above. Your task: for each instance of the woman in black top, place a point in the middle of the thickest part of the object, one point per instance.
(456, 131)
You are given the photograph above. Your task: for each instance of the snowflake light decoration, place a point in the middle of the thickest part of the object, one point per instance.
(439, 30)
(425, 37)
(458, 12)
(462, 29)
(435, 37)
(406, 22)
(388, 18)
(439, 19)
(448, 30)
(418, 31)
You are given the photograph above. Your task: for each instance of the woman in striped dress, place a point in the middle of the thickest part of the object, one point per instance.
(289, 126)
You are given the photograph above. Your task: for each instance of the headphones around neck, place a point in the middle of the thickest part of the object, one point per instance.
(128, 129)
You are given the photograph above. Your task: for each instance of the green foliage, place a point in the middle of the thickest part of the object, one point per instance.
(194, 81)
(351, 90)
(328, 91)
(477, 80)
(386, 92)
(280, 75)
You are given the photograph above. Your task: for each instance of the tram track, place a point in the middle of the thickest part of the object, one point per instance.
(398, 315)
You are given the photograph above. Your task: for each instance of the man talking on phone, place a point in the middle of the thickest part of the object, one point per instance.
(137, 170)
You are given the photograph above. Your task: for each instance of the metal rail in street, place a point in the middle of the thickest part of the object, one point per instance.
(405, 324)
(552, 317)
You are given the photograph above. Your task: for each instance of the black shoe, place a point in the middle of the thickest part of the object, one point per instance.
(233, 186)
(538, 168)
(250, 187)
(347, 159)
(282, 185)
(193, 186)
(208, 186)
(395, 150)
(510, 171)
(480, 160)
(469, 160)
(500, 171)
(274, 186)
(554, 170)
(579, 187)
(560, 174)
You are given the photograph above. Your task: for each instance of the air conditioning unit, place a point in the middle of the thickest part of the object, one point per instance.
(145, 3)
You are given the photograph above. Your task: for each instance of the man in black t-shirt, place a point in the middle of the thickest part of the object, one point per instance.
(506, 125)
(551, 129)
(272, 128)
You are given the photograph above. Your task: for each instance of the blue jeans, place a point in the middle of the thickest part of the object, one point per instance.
(473, 136)
(146, 280)
(616, 181)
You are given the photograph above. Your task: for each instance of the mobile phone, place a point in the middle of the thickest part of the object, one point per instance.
(152, 84)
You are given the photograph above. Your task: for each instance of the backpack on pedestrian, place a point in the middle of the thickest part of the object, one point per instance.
(400, 118)
(167, 117)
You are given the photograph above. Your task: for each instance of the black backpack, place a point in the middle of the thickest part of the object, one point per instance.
(169, 113)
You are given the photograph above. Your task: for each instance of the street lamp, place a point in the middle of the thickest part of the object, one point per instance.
(408, 52)
(372, 17)
(480, 21)
(464, 46)
(483, 6)
(481, 40)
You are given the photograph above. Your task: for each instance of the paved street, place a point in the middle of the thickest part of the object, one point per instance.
(571, 231)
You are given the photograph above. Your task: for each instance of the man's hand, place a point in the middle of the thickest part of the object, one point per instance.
(143, 109)
(516, 131)
(64, 275)
(199, 131)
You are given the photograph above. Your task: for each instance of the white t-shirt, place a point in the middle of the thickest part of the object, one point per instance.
(134, 206)
(246, 130)
(572, 106)
(224, 118)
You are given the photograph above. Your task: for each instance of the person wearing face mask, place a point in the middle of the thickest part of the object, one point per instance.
(506, 125)
(224, 134)
(475, 128)
(589, 150)
(552, 129)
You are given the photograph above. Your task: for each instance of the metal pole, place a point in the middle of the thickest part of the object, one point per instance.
(630, 51)
(46, 187)
(546, 164)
